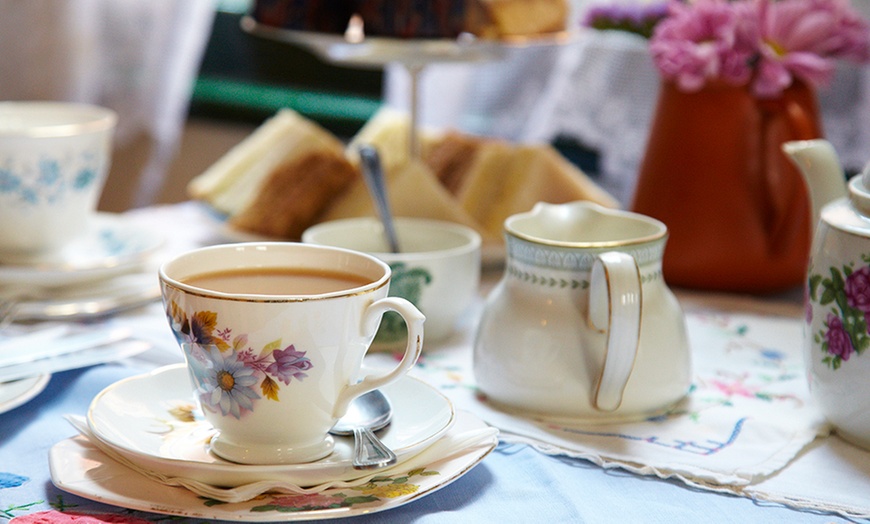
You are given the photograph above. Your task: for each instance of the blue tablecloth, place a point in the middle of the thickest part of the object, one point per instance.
(512, 484)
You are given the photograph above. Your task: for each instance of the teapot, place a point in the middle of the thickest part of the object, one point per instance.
(837, 328)
(581, 325)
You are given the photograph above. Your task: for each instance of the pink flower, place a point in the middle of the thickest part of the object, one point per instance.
(857, 289)
(838, 340)
(762, 43)
(798, 39)
(706, 40)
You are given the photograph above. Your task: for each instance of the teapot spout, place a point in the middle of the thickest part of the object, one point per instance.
(818, 163)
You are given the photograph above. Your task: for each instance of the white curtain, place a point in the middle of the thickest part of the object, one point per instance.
(138, 57)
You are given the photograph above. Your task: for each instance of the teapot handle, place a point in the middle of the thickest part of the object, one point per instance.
(615, 298)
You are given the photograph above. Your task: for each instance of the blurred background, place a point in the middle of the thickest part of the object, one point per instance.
(189, 83)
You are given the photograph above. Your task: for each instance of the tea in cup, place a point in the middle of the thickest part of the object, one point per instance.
(54, 157)
(437, 268)
(274, 336)
(582, 325)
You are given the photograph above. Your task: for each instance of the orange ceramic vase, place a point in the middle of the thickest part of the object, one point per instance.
(737, 210)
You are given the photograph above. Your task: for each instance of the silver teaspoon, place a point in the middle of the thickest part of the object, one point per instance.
(367, 413)
(374, 177)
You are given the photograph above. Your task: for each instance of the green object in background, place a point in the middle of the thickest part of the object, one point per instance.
(261, 101)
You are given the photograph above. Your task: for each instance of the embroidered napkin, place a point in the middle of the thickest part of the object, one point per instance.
(747, 416)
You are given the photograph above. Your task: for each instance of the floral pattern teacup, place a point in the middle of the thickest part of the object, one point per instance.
(274, 372)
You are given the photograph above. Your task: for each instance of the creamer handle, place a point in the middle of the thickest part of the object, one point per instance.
(615, 307)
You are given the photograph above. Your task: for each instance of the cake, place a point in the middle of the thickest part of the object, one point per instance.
(512, 18)
(417, 18)
(325, 16)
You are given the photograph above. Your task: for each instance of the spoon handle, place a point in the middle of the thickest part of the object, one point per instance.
(369, 452)
(374, 177)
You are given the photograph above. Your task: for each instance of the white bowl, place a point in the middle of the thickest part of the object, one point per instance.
(438, 268)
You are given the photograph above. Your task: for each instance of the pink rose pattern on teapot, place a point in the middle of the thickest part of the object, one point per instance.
(846, 292)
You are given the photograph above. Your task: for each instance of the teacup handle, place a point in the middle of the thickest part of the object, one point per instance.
(614, 308)
(371, 316)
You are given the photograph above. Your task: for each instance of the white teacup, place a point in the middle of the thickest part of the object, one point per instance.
(54, 157)
(438, 268)
(274, 336)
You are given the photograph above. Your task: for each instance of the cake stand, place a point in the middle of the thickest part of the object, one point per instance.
(355, 49)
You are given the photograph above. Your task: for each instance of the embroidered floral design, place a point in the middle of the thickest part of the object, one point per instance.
(230, 375)
(11, 480)
(847, 293)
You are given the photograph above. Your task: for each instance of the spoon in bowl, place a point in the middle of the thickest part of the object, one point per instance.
(375, 181)
(367, 413)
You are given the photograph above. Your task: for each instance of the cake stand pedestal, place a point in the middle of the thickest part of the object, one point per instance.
(355, 50)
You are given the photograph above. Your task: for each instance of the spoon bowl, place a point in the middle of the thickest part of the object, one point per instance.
(367, 413)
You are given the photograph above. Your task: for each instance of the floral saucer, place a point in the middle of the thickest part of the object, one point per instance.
(18, 392)
(110, 247)
(153, 421)
(78, 467)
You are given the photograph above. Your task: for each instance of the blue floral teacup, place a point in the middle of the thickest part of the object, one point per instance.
(274, 336)
(54, 157)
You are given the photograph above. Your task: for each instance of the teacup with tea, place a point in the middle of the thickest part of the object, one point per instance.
(274, 335)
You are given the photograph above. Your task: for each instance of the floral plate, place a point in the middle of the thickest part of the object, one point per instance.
(153, 421)
(110, 247)
(80, 468)
(16, 392)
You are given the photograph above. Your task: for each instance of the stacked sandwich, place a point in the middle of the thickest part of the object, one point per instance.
(291, 173)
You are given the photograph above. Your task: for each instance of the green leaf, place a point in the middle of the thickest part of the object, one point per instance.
(827, 296)
(837, 280)
(814, 282)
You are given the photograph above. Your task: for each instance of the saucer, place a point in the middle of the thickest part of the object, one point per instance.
(154, 422)
(78, 467)
(111, 246)
(18, 392)
(89, 300)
